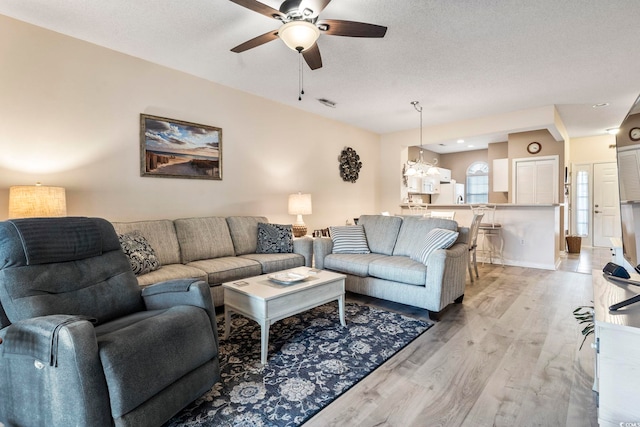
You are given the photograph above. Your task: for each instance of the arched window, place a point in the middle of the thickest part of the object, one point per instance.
(478, 183)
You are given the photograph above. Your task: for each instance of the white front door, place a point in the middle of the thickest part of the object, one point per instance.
(606, 204)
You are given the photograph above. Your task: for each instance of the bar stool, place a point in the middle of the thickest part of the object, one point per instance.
(473, 244)
(443, 214)
(417, 209)
(491, 232)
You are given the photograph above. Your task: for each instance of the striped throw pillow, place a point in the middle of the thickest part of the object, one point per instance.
(438, 238)
(349, 239)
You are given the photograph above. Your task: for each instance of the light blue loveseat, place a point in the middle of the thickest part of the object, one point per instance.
(389, 273)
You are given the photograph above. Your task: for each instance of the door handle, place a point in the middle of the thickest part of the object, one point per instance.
(597, 211)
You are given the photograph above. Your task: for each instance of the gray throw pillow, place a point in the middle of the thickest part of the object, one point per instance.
(438, 238)
(142, 257)
(275, 238)
(349, 239)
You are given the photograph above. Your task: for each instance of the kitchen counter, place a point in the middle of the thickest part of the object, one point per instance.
(532, 233)
(468, 206)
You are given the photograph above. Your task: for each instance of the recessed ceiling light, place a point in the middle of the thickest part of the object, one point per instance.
(600, 105)
(460, 141)
(612, 131)
(470, 146)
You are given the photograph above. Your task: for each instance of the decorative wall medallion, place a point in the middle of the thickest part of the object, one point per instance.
(350, 165)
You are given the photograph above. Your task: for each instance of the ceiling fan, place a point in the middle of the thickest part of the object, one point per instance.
(301, 27)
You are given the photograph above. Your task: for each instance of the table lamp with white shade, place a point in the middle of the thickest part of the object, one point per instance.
(31, 201)
(299, 204)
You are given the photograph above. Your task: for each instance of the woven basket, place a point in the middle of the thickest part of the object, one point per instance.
(573, 244)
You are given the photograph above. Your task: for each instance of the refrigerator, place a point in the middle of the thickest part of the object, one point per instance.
(450, 194)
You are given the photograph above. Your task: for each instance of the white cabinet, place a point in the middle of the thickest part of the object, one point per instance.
(445, 175)
(423, 185)
(500, 175)
(430, 185)
(617, 344)
(536, 181)
(629, 161)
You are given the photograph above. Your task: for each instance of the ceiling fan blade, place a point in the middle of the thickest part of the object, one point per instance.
(312, 57)
(256, 41)
(261, 8)
(335, 27)
(316, 6)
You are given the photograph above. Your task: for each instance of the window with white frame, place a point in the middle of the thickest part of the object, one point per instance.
(582, 203)
(478, 183)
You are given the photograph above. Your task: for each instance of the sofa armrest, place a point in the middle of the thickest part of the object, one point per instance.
(446, 273)
(322, 246)
(304, 246)
(37, 338)
(181, 292)
(47, 356)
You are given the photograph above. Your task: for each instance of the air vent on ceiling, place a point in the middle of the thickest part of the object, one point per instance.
(326, 102)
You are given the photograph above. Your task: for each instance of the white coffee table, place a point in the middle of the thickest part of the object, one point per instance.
(265, 301)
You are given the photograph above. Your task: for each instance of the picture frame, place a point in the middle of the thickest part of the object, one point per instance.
(171, 148)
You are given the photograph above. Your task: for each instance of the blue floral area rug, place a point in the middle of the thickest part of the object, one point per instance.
(312, 360)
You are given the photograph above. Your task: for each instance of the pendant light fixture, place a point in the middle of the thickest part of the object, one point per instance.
(419, 167)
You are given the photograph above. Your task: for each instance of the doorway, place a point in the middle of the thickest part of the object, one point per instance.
(606, 204)
(595, 203)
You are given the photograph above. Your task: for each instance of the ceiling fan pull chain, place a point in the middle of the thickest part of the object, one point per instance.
(300, 77)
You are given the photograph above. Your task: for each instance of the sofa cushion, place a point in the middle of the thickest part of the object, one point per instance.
(381, 231)
(51, 240)
(101, 287)
(244, 233)
(170, 272)
(132, 372)
(349, 239)
(276, 262)
(437, 238)
(356, 264)
(161, 235)
(141, 255)
(399, 269)
(227, 269)
(274, 238)
(413, 230)
(203, 238)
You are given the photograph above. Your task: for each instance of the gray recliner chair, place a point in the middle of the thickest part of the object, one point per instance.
(83, 345)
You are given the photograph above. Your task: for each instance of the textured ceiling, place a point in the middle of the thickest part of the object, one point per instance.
(461, 59)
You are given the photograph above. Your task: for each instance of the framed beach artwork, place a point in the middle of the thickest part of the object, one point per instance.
(176, 149)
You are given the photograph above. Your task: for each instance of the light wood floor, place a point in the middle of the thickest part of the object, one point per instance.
(507, 356)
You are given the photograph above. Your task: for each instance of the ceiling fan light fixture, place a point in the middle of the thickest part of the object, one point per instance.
(299, 35)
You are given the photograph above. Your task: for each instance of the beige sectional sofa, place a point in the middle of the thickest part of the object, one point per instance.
(213, 249)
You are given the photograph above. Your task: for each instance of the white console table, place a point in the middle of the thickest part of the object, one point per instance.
(617, 344)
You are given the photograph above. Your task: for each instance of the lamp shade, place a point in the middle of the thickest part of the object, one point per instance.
(299, 35)
(300, 204)
(29, 201)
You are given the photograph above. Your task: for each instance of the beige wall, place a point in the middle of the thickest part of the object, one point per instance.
(593, 149)
(622, 137)
(459, 162)
(70, 113)
(518, 143)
